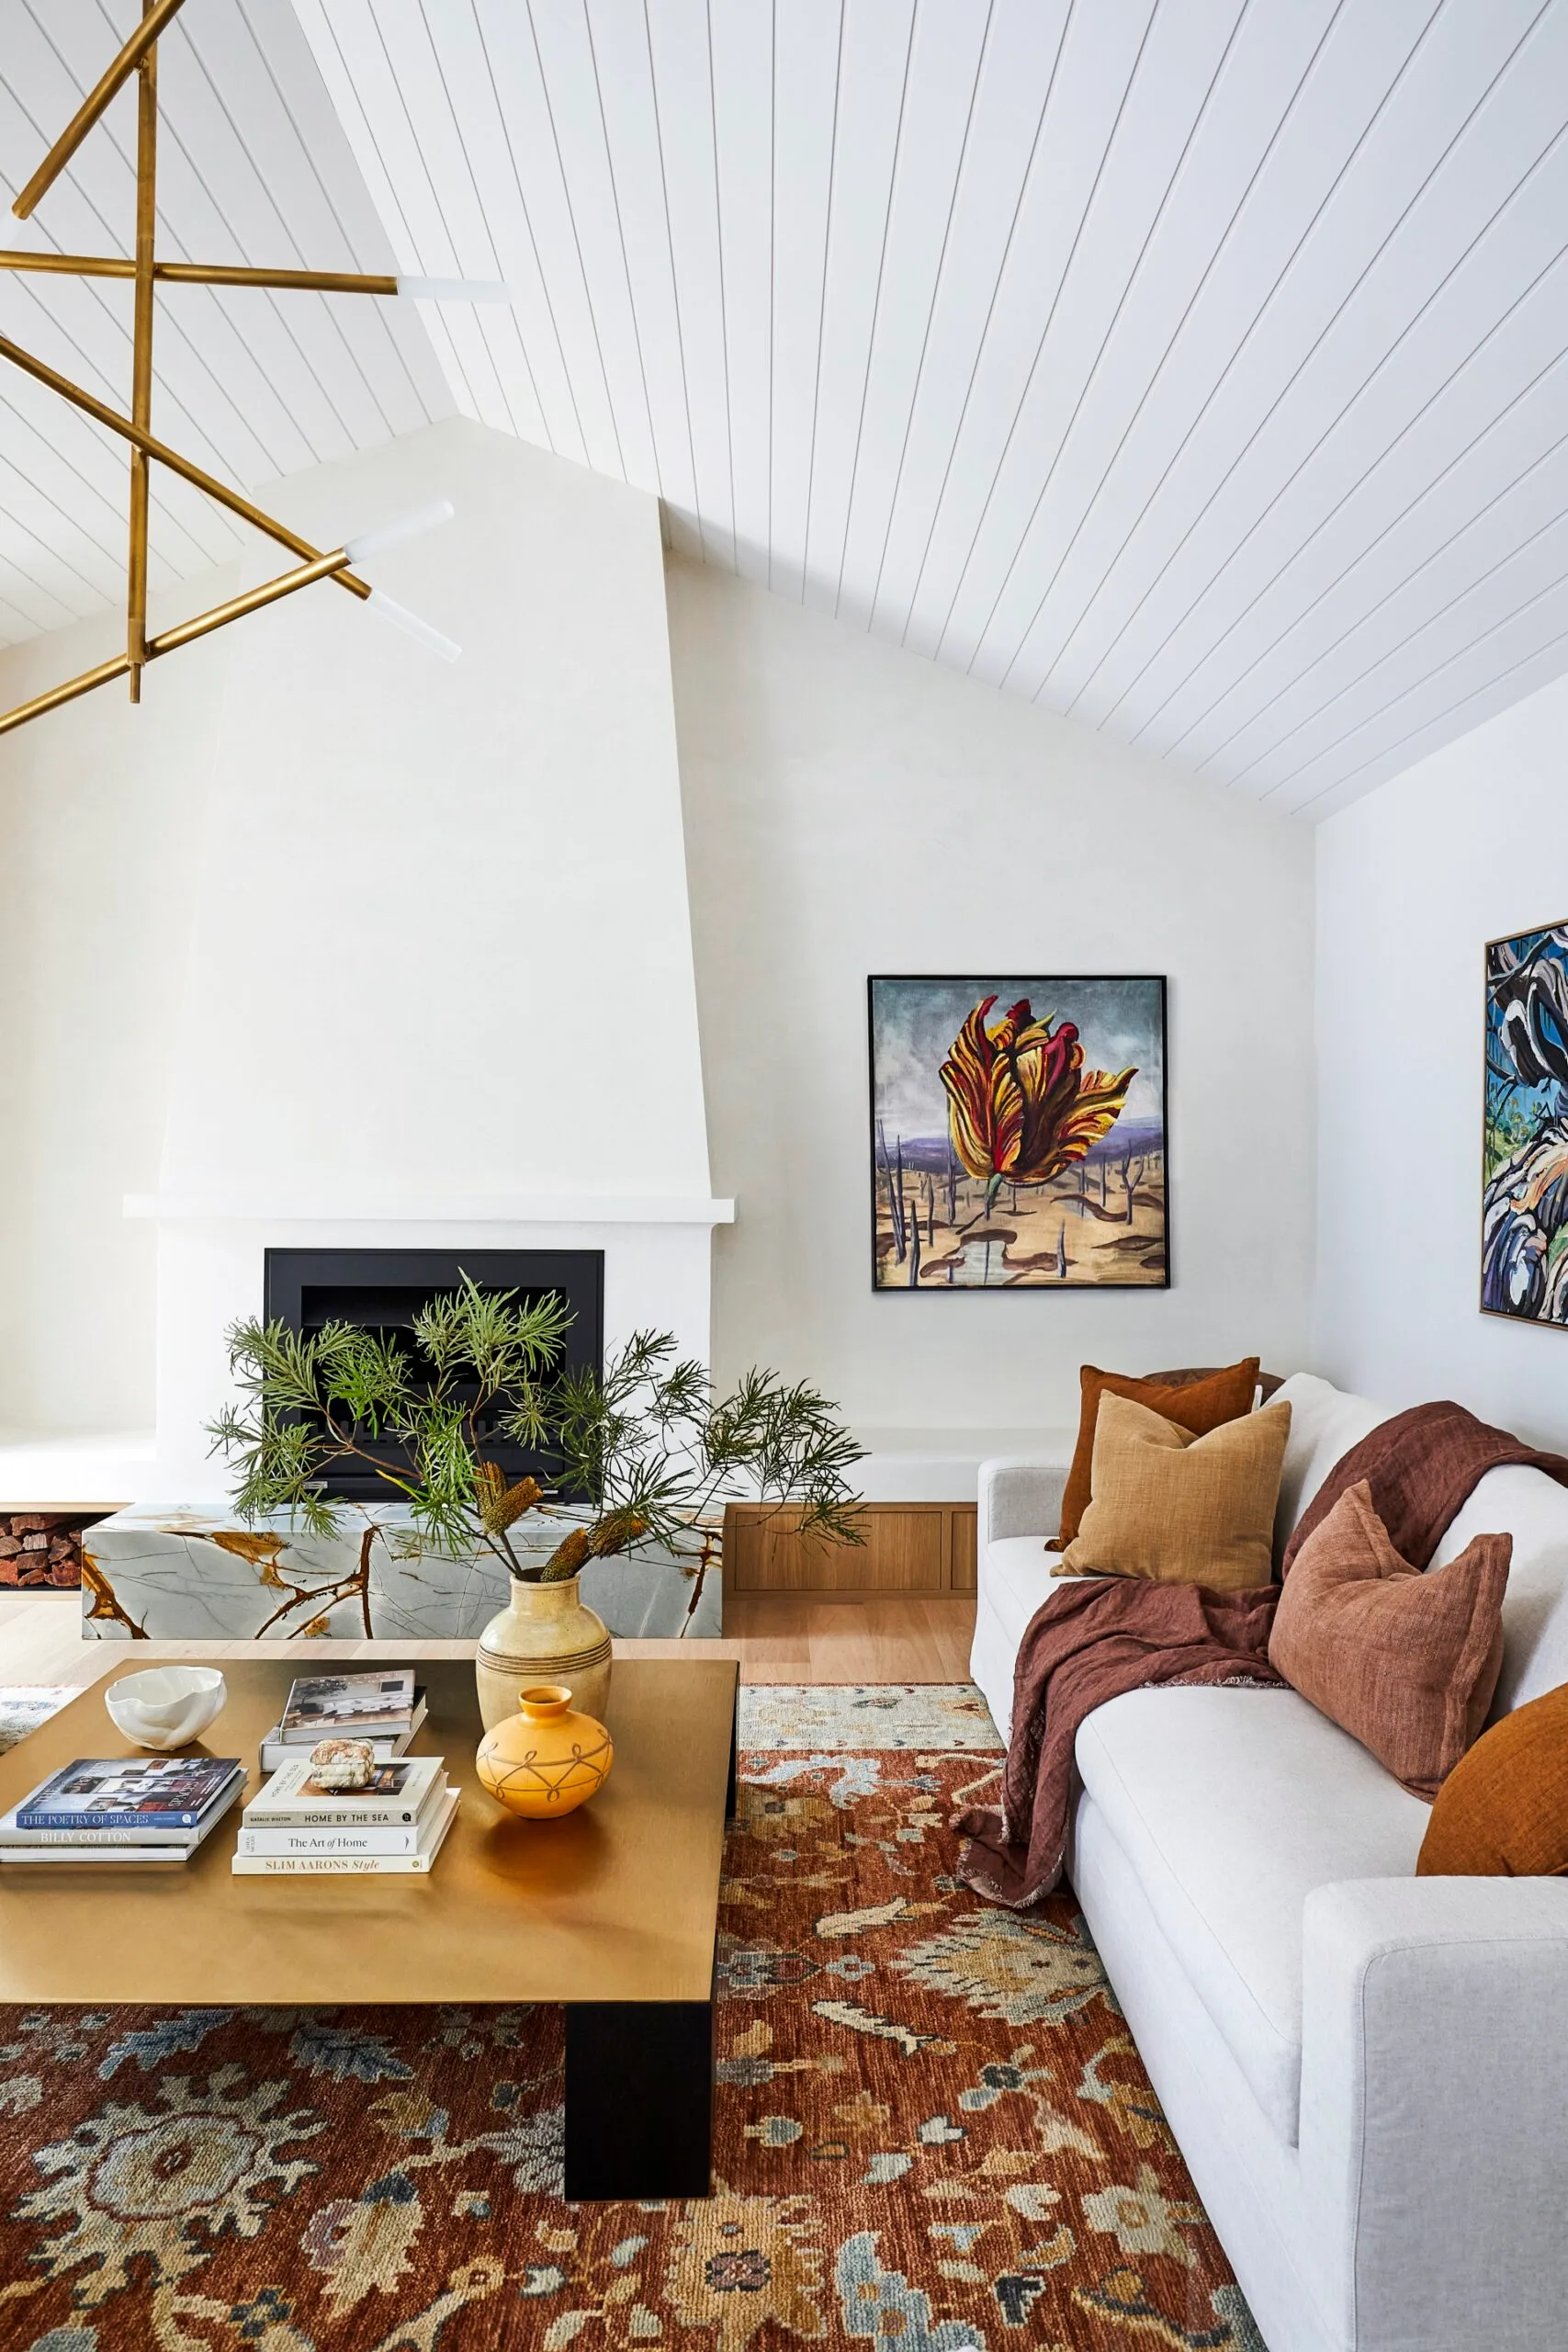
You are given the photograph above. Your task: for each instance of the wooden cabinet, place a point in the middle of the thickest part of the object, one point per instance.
(909, 1547)
(961, 1570)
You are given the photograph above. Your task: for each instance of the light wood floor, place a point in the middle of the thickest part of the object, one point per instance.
(778, 1637)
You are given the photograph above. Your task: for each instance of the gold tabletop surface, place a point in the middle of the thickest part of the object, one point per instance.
(617, 1902)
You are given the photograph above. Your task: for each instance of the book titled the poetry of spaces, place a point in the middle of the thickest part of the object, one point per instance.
(105, 1792)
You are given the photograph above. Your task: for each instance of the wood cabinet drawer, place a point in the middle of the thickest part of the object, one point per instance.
(962, 1562)
(915, 1547)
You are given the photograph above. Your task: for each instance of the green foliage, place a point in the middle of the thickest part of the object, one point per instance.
(645, 1449)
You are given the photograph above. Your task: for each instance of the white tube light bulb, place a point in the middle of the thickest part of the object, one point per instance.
(392, 534)
(455, 289)
(387, 608)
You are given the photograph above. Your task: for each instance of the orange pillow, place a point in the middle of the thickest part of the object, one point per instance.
(1503, 1811)
(1406, 1663)
(1197, 1404)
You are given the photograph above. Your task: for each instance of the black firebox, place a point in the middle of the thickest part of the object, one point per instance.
(384, 1290)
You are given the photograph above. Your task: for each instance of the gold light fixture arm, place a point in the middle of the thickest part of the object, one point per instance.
(324, 567)
(157, 16)
(142, 356)
(199, 273)
(140, 57)
(165, 455)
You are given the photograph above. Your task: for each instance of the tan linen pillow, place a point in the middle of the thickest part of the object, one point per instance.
(1178, 1508)
(1199, 1404)
(1503, 1810)
(1406, 1662)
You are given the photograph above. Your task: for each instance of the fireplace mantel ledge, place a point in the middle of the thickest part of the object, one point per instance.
(444, 1208)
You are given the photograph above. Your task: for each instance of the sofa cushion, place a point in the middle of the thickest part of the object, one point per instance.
(1406, 1663)
(1232, 1806)
(1503, 1810)
(1176, 1508)
(1199, 1404)
(1326, 1422)
(1533, 1509)
(1015, 1578)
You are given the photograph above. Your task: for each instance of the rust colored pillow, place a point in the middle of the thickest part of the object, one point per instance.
(1406, 1662)
(1503, 1810)
(1197, 1405)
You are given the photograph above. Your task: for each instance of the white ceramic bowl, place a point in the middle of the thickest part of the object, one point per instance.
(168, 1706)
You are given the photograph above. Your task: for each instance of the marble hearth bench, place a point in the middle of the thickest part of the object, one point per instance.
(199, 1576)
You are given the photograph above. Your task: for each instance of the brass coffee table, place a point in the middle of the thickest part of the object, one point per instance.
(613, 1911)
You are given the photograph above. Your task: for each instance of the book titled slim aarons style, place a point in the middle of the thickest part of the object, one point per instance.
(138, 1793)
(344, 1863)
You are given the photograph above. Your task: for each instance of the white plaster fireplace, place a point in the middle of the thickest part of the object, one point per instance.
(438, 989)
(657, 1257)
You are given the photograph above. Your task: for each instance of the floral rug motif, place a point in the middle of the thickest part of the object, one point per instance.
(948, 1715)
(933, 2131)
(25, 1705)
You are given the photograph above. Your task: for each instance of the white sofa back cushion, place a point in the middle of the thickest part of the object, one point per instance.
(1533, 1509)
(1326, 1422)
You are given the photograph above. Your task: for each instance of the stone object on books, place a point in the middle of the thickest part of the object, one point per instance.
(199, 1575)
(167, 1706)
(338, 1764)
(547, 1759)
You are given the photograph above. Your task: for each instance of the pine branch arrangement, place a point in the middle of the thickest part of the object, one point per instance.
(645, 1447)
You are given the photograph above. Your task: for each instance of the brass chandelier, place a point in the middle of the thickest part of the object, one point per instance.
(140, 57)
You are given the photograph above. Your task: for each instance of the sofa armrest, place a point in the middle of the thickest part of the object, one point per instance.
(1020, 1495)
(1434, 2119)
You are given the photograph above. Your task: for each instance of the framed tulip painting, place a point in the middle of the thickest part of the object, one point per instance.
(1019, 1134)
(1524, 1163)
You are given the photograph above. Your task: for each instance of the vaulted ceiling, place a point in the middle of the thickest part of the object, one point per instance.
(1193, 367)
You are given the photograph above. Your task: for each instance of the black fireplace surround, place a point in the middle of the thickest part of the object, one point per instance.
(383, 1290)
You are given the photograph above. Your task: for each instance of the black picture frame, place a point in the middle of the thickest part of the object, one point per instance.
(1025, 1270)
(1521, 1276)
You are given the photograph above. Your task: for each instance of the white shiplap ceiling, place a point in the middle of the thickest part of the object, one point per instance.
(1195, 367)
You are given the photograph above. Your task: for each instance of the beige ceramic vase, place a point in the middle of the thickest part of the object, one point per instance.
(543, 1634)
(548, 1758)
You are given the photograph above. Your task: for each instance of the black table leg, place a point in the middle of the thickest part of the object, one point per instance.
(638, 2099)
(730, 1794)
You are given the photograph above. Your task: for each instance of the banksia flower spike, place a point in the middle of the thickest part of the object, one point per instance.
(570, 1554)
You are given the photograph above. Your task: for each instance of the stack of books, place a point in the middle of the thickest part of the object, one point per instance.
(142, 1809)
(395, 1825)
(385, 1708)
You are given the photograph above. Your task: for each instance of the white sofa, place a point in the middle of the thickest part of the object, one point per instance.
(1367, 2072)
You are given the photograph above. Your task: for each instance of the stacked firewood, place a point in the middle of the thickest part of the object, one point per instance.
(42, 1547)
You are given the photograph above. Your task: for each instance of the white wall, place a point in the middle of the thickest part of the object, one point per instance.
(1468, 846)
(100, 814)
(329, 921)
(852, 808)
(442, 941)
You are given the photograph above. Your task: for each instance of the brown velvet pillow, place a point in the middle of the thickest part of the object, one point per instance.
(1406, 1662)
(1503, 1810)
(1176, 1508)
(1196, 1405)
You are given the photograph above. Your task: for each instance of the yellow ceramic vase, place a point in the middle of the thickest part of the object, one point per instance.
(545, 1634)
(547, 1759)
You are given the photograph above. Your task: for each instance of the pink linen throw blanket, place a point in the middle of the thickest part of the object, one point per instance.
(1091, 1642)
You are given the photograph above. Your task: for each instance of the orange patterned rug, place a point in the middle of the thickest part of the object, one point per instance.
(933, 2134)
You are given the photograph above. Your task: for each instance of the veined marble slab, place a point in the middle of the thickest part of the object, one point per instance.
(198, 1576)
